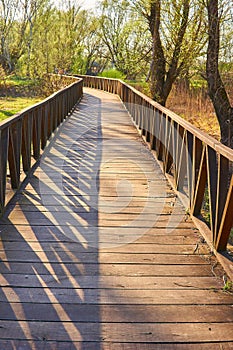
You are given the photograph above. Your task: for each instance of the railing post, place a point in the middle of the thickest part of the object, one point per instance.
(4, 140)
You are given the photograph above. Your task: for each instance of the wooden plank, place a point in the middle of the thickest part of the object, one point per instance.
(85, 345)
(113, 296)
(51, 233)
(95, 269)
(118, 332)
(118, 313)
(103, 218)
(108, 258)
(94, 245)
(190, 239)
(62, 280)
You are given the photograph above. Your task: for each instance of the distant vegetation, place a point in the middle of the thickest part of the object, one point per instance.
(155, 44)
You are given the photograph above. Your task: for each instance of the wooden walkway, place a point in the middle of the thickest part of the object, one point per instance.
(98, 253)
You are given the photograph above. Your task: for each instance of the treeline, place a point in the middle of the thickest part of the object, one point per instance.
(160, 41)
(38, 36)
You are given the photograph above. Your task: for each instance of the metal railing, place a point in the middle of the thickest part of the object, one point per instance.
(24, 135)
(198, 166)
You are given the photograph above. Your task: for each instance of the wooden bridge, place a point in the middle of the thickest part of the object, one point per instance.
(113, 237)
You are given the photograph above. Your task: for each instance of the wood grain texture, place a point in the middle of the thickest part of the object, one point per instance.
(97, 252)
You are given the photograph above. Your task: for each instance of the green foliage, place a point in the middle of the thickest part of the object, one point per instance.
(24, 92)
(12, 105)
(47, 37)
(142, 86)
(112, 73)
(126, 38)
(15, 80)
(197, 83)
(228, 286)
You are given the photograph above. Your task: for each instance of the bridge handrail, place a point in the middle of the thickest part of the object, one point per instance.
(24, 135)
(198, 165)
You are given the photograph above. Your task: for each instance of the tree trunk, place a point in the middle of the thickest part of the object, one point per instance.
(162, 79)
(216, 89)
(158, 64)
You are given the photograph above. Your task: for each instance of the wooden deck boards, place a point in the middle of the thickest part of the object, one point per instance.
(97, 252)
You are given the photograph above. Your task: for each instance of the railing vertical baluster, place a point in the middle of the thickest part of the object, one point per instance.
(182, 166)
(222, 189)
(168, 161)
(212, 186)
(200, 185)
(226, 222)
(14, 152)
(197, 156)
(44, 127)
(153, 129)
(4, 140)
(160, 138)
(190, 161)
(27, 141)
(48, 114)
(36, 135)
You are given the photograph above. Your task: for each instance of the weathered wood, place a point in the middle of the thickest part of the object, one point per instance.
(108, 296)
(4, 142)
(118, 313)
(78, 271)
(163, 129)
(14, 152)
(112, 282)
(141, 269)
(114, 244)
(119, 332)
(83, 345)
(227, 221)
(25, 132)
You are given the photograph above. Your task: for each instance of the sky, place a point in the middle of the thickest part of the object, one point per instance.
(88, 4)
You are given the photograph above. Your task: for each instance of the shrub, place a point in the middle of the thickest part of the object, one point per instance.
(112, 73)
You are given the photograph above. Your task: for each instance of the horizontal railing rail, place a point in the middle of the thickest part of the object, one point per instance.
(198, 166)
(24, 135)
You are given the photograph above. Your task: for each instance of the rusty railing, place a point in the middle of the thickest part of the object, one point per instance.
(198, 166)
(24, 135)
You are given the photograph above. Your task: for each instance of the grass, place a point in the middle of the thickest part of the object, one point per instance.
(195, 106)
(112, 73)
(14, 80)
(12, 105)
(16, 94)
(191, 104)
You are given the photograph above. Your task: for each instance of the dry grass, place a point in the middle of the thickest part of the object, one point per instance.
(196, 107)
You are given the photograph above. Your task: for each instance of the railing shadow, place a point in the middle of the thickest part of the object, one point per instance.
(49, 243)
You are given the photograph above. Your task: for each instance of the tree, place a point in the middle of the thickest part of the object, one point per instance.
(8, 9)
(31, 10)
(125, 37)
(216, 89)
(177, 33)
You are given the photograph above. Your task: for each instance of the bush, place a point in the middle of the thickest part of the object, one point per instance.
(112, 73)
